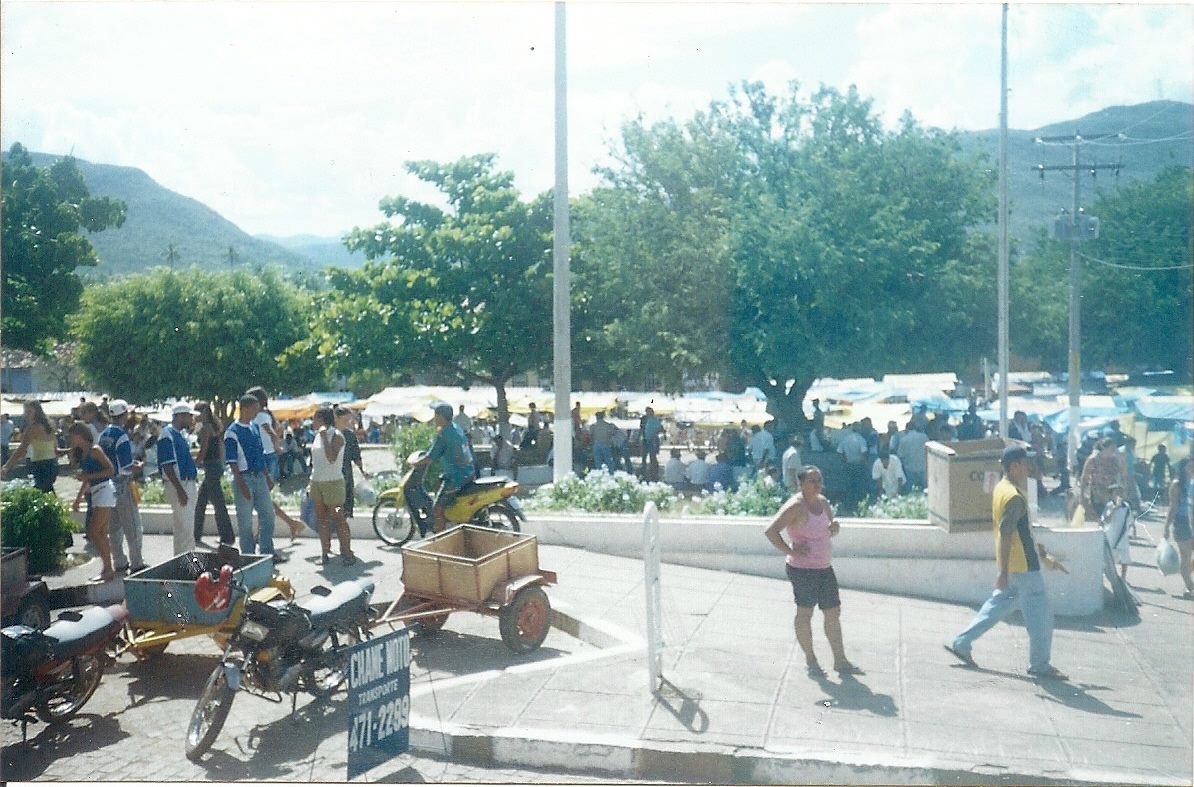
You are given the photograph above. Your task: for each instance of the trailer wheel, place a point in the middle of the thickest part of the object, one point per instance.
(524, 623)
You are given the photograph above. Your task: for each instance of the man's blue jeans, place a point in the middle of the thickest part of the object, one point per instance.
(1025, 591)
(260, 500)
(603, 456)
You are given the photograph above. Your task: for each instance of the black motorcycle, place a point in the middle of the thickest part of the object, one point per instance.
(283, 647)
(52, 673)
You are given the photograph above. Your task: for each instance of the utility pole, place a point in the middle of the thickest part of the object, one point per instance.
(1078, 228)
(561, 247)
(1003, 252)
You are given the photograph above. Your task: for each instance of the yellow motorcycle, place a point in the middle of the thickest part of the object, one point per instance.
(488, 502)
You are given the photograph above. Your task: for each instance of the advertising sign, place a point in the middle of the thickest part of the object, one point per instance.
(378, 701)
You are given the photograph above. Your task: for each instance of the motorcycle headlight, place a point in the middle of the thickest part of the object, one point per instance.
(254, 631)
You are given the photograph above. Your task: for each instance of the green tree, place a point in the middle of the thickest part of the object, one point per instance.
(44, 209)
(853, 250)
(774, 239)
(651, 252)
(463, 292)
(1137, 290)
(194, 334)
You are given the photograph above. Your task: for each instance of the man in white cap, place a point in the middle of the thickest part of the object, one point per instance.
(125, 522)
(179, 474)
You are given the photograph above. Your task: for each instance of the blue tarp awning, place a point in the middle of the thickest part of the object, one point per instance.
(1165, 408)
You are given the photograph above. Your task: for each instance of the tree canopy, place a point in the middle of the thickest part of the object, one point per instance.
(462, 292)
(44, 209)
(193, 334)
(774, 239)
(1137, 293)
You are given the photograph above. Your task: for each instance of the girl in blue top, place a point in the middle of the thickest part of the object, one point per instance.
(96, 473)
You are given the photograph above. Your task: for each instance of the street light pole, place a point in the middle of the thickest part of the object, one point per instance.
(561, 241)
(1003, 251)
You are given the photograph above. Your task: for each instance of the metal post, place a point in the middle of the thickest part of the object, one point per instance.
(1003, 253)
(561, 311)
(653, 591)
(1075, 325)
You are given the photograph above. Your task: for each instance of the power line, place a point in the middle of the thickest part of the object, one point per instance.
(1136, 267)
(1127, 142)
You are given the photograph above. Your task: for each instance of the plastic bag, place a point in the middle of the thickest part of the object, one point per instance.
(307, 512)
(366, 493)
(1167, 558)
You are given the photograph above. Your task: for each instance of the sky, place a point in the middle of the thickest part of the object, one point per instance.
(297, 117)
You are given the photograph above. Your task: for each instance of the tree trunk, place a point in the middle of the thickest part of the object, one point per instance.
(786, 405)
(503, 407)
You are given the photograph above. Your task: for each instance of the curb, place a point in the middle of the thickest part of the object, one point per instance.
(626, 757)
(629, 758)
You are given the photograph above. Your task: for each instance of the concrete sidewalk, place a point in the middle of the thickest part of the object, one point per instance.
(737, 706)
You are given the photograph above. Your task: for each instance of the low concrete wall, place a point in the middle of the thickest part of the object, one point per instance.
(911, 559)
(885, 556)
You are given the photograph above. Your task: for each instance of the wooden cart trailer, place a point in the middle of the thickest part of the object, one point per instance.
(474, 569)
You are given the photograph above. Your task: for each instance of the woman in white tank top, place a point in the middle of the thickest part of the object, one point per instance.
(327, 485)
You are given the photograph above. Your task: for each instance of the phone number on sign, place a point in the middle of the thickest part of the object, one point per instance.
(378, 724)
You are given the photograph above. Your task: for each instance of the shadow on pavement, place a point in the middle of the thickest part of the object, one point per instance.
(452, 651)
(684, 704)
(852, 694)
(166, 677)
(85, 733)
(407, 775)
(1078, 697)
(277, 749)
(1068, 693)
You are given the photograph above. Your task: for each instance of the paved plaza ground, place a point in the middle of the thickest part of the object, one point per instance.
(737, 704)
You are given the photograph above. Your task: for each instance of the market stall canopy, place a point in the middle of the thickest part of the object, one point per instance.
(1165, 408)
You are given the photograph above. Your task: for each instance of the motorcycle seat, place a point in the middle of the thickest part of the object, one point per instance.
(75, 633)
(486, 483)
(346, 600)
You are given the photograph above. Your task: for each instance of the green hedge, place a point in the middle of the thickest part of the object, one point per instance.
(38, 521)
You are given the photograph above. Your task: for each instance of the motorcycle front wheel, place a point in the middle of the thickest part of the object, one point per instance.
(331, 666)
(392, 522)
(498, 516)
(211, 711)
(73, 691)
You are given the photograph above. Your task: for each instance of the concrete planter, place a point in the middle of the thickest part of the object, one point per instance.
(909, 558)
(903, 557)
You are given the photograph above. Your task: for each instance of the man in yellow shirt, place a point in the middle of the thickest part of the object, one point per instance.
(1019, 584)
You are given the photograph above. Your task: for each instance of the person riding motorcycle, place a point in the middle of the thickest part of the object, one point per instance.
(452, 449)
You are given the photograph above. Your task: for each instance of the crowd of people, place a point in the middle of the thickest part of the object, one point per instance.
(110, 448)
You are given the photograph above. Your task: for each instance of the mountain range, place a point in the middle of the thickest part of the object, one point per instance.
(1153, 135)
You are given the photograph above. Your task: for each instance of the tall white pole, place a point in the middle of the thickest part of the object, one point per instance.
(1003, 253)
(561, 308)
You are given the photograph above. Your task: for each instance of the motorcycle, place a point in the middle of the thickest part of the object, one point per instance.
(52, 673)
(488, 502)
(279, 647)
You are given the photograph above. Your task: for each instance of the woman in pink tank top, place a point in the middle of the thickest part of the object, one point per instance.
(807, 520)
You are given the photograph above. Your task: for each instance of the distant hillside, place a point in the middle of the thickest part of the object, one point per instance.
(322, 251)
(1035, 202)
(158, 217)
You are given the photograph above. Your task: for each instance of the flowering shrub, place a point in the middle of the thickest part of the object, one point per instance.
(623, 493)
(760, 497)
(600, 492)
(914, 505)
